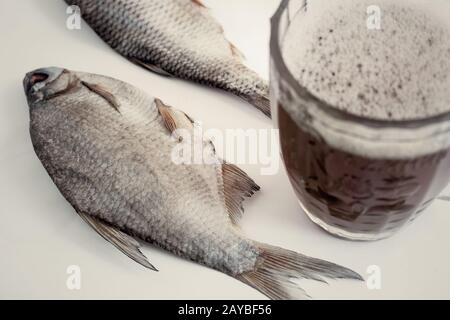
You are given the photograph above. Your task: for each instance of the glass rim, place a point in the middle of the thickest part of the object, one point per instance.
(284, 73)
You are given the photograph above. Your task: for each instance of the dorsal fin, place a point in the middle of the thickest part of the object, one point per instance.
(236, 52)
(104, 93)
(237, 185)
(199, 3)
(173, 118)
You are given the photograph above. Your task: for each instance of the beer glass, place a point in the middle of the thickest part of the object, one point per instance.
(357, 177)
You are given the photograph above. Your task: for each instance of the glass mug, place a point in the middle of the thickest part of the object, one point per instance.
(359, 178)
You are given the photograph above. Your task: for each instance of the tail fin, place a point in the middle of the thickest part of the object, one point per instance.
(276, 267)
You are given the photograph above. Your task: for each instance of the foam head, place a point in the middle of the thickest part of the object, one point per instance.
(390, 61)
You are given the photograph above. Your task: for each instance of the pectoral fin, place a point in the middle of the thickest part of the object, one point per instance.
(104, 93)
(151, 67)
(125, 243)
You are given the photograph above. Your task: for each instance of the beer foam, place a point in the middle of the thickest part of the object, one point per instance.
(400, 71)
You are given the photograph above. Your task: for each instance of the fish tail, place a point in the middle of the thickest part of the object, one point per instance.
(276, 267)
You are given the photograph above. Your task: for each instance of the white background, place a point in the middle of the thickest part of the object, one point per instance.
(40, 234)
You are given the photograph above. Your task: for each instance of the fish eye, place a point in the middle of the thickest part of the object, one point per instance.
(38, 77)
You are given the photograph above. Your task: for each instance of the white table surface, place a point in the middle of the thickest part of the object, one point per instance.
(40, 234)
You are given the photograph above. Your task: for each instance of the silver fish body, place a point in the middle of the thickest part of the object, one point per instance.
(178, 38)
(107, 146)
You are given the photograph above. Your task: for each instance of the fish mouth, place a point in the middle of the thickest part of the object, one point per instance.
(37, 79)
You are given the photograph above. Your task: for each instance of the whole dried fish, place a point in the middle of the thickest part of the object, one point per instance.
(107, 146)
(177, 38)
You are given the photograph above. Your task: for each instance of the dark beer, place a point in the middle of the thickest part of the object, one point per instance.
(356, 196)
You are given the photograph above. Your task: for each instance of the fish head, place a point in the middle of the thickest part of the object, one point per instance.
(46, 83)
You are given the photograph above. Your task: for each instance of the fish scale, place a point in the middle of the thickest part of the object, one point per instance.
(108, 124)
